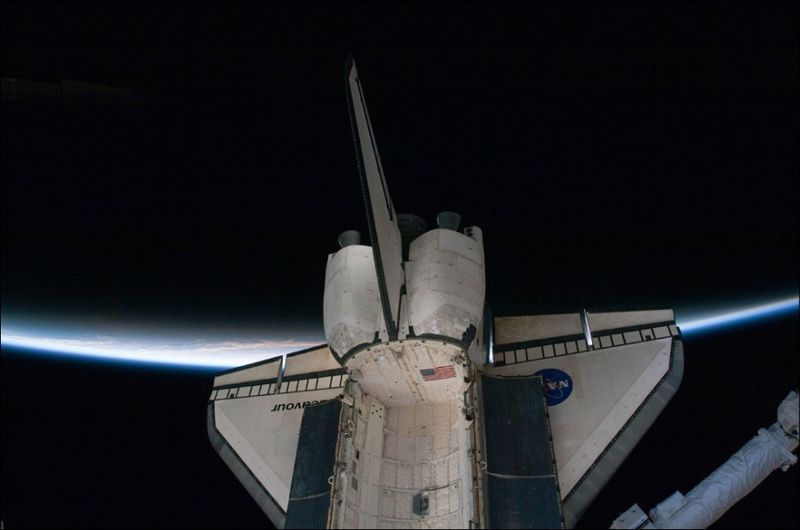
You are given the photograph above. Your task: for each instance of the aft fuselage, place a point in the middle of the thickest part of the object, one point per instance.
(409, 451)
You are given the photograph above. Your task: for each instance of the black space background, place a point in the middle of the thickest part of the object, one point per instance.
(613, 154)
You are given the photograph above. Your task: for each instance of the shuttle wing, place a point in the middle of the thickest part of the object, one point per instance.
(277, 431)
(607, 376)
(381, 219)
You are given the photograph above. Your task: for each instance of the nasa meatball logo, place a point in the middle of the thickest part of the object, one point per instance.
(557, 385)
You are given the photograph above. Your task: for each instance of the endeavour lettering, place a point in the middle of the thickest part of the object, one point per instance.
(291, 406)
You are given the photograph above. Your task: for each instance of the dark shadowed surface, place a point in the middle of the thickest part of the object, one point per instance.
(522, 487)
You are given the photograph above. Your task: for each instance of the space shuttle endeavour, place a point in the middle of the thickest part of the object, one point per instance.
(424, 410)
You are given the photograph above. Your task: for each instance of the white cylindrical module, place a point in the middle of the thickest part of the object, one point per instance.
(351, 302)
(445, 282)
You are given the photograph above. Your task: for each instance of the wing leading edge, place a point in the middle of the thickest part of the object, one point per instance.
(607, 377)
(277, 431)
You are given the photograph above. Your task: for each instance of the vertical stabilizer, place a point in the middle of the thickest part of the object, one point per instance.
(381, 218)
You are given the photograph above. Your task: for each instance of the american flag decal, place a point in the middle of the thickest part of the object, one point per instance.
(440, 372)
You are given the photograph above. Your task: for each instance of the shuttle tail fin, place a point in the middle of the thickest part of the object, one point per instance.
(381, 218)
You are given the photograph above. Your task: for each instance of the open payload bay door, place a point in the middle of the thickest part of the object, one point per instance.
(520, 471)
(277, 430)
(606, 378)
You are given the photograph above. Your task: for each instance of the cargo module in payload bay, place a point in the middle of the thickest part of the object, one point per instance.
(424, 410)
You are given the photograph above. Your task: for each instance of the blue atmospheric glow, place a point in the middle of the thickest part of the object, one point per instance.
(703, 323)
(165, 347)
(159, 348)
